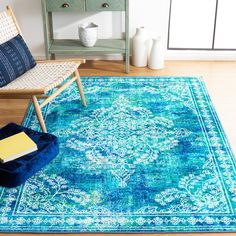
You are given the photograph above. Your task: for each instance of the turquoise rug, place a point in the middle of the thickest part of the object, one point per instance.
(145, 155)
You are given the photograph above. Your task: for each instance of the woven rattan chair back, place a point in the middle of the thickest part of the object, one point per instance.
(8, 27)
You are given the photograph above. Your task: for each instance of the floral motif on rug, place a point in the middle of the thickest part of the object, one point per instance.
(147, 154)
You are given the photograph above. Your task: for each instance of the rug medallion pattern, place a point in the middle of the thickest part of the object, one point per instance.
(145, 155)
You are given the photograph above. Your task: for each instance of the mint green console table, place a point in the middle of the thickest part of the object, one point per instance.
(73, 47)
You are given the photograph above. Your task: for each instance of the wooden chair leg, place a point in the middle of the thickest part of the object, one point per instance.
(80, 87)
(39, 114)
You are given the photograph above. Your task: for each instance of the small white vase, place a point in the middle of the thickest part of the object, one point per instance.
(88, 34)
(156, 56)
(140, 48)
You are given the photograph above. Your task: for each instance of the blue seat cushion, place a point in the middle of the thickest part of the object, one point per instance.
(15, 60)
(16, 172)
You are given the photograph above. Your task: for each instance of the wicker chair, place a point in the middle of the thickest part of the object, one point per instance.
(45, 76)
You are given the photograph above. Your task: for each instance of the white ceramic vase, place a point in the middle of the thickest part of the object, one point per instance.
(88, 34)
(140, 48)
(156, 56)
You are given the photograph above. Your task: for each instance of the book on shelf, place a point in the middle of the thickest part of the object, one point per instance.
(16, 146)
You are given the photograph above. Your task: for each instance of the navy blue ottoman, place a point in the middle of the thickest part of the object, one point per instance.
(16, 172)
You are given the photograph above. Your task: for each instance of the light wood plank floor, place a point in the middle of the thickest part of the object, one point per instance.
(220, 79)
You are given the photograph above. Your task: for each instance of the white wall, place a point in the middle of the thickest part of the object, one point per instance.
(153, 14)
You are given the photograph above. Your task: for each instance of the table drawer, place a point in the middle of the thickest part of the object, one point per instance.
(65, 5)
(105, 5)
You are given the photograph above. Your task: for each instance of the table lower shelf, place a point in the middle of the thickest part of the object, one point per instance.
(73, 47)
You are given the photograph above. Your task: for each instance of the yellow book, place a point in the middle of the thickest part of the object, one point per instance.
(16, 146)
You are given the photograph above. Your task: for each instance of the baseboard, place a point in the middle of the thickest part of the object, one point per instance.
(201, 55)
(170, 55)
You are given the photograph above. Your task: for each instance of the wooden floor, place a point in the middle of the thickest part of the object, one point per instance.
(220, 78)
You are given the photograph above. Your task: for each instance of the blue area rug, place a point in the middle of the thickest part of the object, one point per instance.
(145, 155)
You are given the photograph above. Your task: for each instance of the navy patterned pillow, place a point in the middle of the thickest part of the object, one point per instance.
(15, 60)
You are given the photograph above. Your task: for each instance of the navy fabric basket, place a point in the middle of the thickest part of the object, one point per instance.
(15, 60)
(16, 172)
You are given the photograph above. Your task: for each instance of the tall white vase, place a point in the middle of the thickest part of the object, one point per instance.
(140, 48)
(156, 56)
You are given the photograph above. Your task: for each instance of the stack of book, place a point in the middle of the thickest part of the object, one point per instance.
(16, 146)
